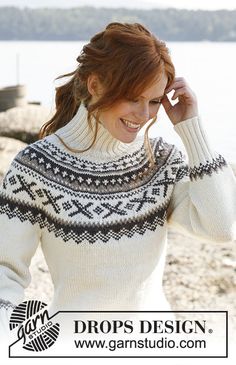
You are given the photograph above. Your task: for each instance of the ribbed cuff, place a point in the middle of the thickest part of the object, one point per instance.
(195, 141)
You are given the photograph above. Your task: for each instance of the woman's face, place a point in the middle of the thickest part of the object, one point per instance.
(125, 119)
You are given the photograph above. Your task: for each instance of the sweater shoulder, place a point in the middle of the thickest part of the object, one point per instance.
(170, 152)
(29, 157)
(23, 168)
(171, 162)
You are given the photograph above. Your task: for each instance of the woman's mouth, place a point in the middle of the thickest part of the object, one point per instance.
(131, 127)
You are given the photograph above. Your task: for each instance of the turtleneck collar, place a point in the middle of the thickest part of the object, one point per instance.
(77, 135)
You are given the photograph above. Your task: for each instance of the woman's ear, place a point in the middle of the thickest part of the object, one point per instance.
(94, 86)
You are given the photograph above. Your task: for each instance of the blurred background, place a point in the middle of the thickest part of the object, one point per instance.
(40, 40)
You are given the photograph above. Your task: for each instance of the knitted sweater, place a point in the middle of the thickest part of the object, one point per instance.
(102, 215)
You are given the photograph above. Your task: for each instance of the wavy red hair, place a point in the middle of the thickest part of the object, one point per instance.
(127, 59)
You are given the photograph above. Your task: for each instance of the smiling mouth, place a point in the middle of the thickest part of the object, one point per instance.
(130, 125)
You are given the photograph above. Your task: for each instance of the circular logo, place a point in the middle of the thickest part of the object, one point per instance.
(34, 326)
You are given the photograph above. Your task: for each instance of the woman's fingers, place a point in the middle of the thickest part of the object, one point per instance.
(186, 107)
(177, 83)
(184, 91)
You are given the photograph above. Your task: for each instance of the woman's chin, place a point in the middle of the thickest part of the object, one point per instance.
(127, 139)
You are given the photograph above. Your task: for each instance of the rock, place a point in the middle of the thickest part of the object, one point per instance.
(9, 148)
(24, 123)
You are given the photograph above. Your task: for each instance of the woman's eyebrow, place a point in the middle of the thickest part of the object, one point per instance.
(160, 97)
(157, 97)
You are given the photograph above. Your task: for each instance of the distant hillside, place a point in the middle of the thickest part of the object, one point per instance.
(141, 4)
(81, 23)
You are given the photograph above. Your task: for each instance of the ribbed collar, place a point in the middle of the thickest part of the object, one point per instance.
(77, 135)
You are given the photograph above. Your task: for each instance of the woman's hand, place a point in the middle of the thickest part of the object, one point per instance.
(187, 105)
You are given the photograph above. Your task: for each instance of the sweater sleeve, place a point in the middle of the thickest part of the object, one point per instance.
(19, 238)
(203, 201)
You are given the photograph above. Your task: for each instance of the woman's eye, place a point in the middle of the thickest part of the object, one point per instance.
(152, 102)
(156, 101)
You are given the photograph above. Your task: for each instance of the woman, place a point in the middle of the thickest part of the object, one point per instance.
(98, 196)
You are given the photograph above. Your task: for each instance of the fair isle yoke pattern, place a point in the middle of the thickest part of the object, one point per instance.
(89, 201)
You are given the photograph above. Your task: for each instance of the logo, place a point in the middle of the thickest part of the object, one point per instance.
(34, 326)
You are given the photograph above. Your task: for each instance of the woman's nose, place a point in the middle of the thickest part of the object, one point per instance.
(142, 113)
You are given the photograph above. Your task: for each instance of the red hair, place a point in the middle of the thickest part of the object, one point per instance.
(127, 59)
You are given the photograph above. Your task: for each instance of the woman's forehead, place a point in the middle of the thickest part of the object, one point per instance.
(156, 89)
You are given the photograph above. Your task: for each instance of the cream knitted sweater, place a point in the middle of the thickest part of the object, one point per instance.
(102, 223)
